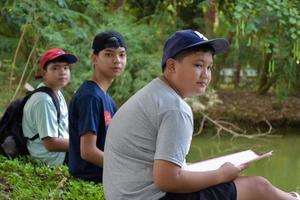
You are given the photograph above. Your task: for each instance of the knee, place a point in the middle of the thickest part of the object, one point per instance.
(262, 185)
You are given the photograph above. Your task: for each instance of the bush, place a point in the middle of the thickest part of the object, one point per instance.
(24, 178)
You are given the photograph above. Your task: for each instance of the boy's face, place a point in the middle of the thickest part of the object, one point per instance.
(192, 73)
(57, 75)
(110, 62)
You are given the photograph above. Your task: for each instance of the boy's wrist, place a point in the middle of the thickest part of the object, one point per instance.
(221, 177)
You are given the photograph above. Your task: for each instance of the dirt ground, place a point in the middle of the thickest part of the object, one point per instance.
(252, 109)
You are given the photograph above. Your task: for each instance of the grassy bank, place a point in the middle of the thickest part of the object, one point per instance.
(23, 178)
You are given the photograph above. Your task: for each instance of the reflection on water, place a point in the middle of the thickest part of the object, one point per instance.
(282, 169)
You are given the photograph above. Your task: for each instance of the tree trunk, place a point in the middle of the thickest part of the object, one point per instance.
(264, 82)
(211, 16)
(118, 4)
(297, 90)
(237, 77)
(265, 88)
(220, 65)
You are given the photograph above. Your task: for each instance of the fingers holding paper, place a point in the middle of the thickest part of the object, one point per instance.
(229, 172)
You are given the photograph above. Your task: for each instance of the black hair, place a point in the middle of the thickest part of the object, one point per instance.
(56, 60)
(186, 52)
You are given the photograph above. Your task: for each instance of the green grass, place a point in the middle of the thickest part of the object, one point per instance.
(24, 178)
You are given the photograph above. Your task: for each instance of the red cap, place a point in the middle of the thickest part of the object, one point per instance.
(55, 53)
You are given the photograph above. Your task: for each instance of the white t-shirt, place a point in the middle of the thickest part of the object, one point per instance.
(155, 123)
(40, 116)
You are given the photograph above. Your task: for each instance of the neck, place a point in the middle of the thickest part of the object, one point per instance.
(169, 83)
(102, 82)
(54, 89)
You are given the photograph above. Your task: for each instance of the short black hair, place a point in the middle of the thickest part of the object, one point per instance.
(184, 53)
(56, 60)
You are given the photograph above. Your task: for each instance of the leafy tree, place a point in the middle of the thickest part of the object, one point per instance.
(270, 31)
(71, 25)
(49, 23)
(28, 28)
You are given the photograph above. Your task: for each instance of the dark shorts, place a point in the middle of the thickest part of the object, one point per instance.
(66, 159)
(225, 191)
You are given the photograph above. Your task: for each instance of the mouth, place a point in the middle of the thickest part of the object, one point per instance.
(202, 83)
(117, 69)
(63, 78)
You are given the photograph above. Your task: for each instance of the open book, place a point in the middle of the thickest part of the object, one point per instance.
(240, 158)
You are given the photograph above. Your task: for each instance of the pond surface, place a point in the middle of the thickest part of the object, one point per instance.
(282, 169)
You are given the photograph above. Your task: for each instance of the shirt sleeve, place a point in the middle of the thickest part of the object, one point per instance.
(45, 116)
(174, 137)
(90, 112)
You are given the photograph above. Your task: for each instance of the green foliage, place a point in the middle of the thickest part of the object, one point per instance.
(24, 178)
(271, 29)
(264, 35)
(71, 25)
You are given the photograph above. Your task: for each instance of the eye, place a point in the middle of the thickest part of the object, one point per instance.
(66, 67)
(198, 65)
(122, 55)
(108, 54)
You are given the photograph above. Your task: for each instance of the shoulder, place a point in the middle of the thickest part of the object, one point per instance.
(156, 98)
(40, 97)
(89, 88)
(39, 102)
(167, 99)
(88, 84)
(109, 99)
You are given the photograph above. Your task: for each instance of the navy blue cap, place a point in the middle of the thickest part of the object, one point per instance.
(184, 39)
(109, 39)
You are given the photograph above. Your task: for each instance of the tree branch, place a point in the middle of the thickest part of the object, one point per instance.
(235, 132)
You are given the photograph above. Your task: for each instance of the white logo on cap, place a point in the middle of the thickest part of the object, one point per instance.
(200, 35)
(60, 52)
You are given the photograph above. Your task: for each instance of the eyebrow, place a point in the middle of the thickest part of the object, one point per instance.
(201, 60)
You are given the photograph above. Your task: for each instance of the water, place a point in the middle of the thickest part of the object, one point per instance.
(282, 169)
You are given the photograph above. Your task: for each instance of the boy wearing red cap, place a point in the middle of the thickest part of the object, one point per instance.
(92, 108)
(150, 135)
(47, 135)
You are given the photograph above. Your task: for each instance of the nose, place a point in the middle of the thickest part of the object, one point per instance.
(117, 59)
(63, 70)
(205, 72)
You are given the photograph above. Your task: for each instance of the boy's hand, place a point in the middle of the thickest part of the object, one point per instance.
(243, 166)
(229, 172)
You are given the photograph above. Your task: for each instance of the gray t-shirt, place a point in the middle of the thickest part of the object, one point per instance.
(155, 123)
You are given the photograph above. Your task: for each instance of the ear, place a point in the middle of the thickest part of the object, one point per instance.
(94, 58)
(43, 72)
(170, 65)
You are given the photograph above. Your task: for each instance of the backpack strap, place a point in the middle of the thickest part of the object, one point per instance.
(54, 100)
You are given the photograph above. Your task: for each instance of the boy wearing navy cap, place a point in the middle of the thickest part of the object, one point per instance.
(91, 108)
(150, 135)
(48, 136)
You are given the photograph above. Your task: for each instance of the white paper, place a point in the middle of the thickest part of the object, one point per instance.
(236, 159)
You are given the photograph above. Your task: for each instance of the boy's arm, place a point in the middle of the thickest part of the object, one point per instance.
(89, 151)
(169, 177)
(53, 144)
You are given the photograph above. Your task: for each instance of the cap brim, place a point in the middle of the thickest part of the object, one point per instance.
(69, 57)
(220, 45)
